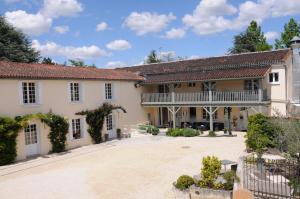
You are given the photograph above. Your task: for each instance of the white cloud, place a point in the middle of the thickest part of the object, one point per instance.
(175, 33)
(271, 35)
(211, 16)
(101, 26)
(71, 52)
(32, 24)
(39, 23)
(115, 64)
(119, 45)
(57, 8)
(61, 29)
(146, 22)
(208, 17)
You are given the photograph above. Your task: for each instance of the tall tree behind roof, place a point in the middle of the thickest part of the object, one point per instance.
(152, 58)
(48, 60)
(291, 29)
(15, 46)
(252, 40)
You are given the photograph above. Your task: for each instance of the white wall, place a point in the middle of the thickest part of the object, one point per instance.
(55, 97)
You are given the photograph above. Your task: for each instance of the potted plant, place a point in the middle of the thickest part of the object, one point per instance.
(106, 137)
(119, 133)
(225, 130)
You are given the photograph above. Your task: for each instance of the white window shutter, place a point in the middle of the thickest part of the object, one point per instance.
(70, 130)
(113, 93)
(81, 92)
(103, 90)
(114, 122)
(20, 93)
(39, 92)
(83, 127)
(69, 91)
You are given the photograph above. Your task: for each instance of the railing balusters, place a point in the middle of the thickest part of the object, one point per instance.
(203, 97)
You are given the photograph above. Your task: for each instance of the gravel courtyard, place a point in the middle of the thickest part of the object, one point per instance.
(140, 167)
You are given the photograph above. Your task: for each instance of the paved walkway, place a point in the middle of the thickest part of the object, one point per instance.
(138, 167)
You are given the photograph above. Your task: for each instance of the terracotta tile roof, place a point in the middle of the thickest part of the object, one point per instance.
(207, 75)
(44, 71)
(229, 66)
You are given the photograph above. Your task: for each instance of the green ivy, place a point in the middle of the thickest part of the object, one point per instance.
(58, 130)
(95, 119)
(9, 129)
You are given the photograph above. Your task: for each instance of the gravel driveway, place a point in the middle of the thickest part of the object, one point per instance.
(140, 167)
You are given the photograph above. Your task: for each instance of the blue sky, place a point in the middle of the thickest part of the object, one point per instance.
(129, 29)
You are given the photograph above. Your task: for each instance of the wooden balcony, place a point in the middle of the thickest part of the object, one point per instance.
(205, 98)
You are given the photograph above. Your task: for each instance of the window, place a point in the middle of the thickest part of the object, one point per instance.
(192, 84)
(252, 84)
(108, 91)
(205, 114)
(274, 77)
(29, 92)
(30, 134)
(109, 122)
(76, 128)
(163, 88)
(74, 89)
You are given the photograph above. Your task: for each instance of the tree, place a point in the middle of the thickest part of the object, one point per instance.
(48, 60)
(15, 46)
(77, 62)
(291, 29)
(152, 58)
(252, 40)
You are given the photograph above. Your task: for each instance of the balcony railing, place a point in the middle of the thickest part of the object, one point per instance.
(242, 97)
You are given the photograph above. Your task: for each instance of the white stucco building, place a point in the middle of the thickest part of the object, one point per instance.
(195, 92)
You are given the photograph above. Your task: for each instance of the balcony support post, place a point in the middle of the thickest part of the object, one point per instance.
(211, 113)
(173, 110)
(211, 119)
(259, 95)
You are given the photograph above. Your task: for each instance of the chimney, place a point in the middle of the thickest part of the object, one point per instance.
(295, 44)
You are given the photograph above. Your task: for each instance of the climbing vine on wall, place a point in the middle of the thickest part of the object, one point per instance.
(9, 129)
(95, 119)
(58, 131)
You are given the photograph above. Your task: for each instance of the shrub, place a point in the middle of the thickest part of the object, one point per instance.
(211, 134)
(184, 182)
(229, 177)
(9, 129)
(152, 130)
(190, 132)
(211, 167)
(262, 133)
(149, 129)
(187, 132)
(174, 132)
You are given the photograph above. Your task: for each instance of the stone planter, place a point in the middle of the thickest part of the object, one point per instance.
(203, 193)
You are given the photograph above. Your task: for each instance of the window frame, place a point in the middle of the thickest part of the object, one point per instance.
(29, 140)
(26, 95)
(76, 127)
(273, 78)
(108, 91)
(72, 94)
(109, 122)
